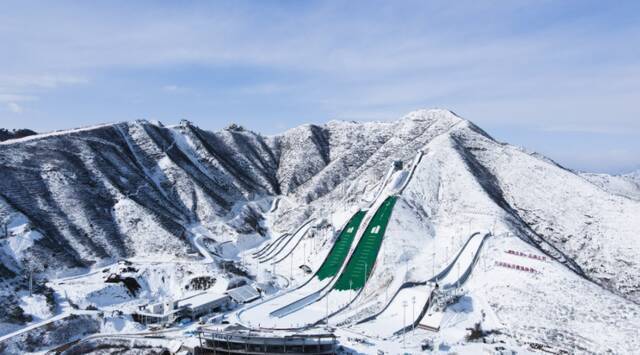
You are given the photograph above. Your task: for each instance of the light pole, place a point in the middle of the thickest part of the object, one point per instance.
(406, 261)
(452, 247)
(413, 313)
(327, 310)
(364, 276)
(484, 261)
(351, 285)
(404, 322)
(386, 294)
(433, 259)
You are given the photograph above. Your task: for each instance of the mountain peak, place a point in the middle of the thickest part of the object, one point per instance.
(431, 114)
(234, 127)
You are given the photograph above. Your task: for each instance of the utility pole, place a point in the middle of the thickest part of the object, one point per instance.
(30, 281)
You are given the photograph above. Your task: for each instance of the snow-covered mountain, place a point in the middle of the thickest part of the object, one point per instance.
(627, 185)
(101, 192)
(6, 134)
(97, 194)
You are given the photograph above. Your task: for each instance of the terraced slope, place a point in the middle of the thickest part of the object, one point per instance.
(359, 267)
(339, 252)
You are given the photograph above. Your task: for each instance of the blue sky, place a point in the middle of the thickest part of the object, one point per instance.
(558, 77)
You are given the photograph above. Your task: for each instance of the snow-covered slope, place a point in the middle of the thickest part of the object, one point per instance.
(627, 185)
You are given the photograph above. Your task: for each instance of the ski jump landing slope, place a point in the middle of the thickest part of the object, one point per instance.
(417, 296)
(321, 279)
(350, 281)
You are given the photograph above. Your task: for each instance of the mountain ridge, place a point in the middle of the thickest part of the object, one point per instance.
(128, 189)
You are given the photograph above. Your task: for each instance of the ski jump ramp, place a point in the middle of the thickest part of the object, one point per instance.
(322, 278)
(268, 247)
(416, 162)
(336, 285)
(273, 246)
(285, 243)
(348, 283)
(341, 282)
(418, 296)
(384, 183)
(354, 275)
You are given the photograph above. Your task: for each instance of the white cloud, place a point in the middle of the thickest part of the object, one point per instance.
(46, 81)
(604, 160)
(504, 63)
(21, 88)
(170, 88)
(16, 98)
(14, 107)
(13, 102)
(176, 89)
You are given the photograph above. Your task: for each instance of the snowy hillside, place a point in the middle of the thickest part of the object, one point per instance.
(627, 185)
(165, 196)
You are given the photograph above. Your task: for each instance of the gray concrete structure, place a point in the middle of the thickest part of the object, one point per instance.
(242, 341)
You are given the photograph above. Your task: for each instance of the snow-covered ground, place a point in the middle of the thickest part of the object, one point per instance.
(626, 185)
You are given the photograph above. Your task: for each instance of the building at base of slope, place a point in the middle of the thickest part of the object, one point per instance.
(239, 340)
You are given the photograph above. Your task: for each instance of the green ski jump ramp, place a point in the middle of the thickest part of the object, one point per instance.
(322, 279)
(357, 271)
(334, 261)
(354, 274)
